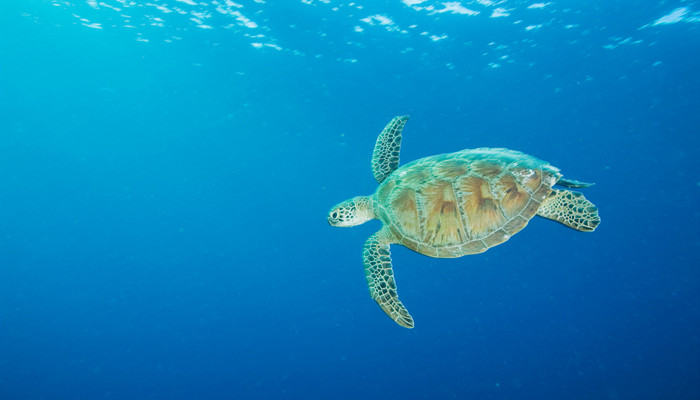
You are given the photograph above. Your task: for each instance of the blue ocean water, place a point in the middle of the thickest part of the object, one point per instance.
(166, 168)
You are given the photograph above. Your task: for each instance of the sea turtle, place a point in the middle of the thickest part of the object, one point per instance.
(451, 205)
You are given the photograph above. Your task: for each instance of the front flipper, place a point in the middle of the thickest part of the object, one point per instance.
(380, 278)
(385, 158)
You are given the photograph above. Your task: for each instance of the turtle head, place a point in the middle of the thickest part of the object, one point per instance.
(355, 211)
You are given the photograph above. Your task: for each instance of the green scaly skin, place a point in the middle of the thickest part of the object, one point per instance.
(385, 158)
(571, 209)
(380, 277)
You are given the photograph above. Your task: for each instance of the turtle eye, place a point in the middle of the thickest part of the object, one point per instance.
(334, 215)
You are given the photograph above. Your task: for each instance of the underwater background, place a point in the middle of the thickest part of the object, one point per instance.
(166, 169)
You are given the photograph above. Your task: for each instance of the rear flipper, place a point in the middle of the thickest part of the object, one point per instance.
(571, 183)
(571, 209)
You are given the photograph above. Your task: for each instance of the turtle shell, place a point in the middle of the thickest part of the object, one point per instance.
(462, 203)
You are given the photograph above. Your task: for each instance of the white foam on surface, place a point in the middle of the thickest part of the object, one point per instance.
(456, 7)
(619, 41)
(499, 12)
(258, 23)
(673, 17)
(103, 4)
(412, 2)
(243, 20)
(381, 20)
(164, 9)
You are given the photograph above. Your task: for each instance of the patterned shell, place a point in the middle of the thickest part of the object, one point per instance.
(462, 203)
